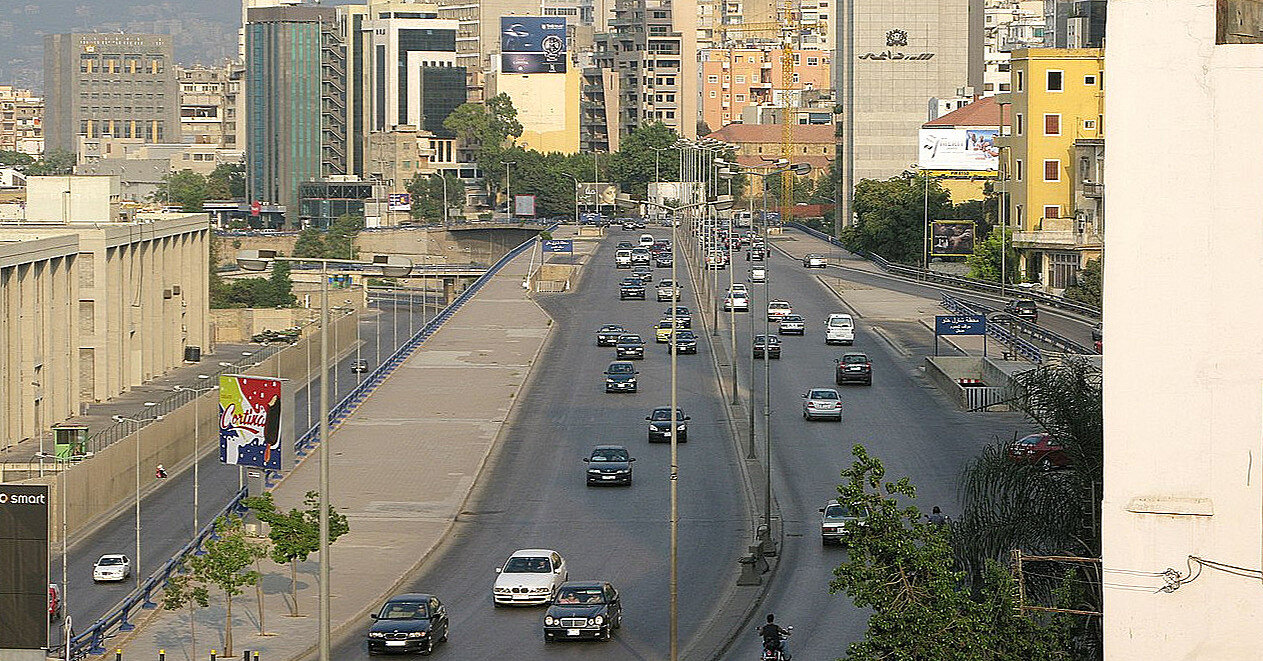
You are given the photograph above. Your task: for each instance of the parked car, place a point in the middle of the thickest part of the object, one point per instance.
(1023, 308)
(583, 609)
(1039, 450)
(773, 346)
(822, 403)
(631, 288)
(112, 567)
(854, 367)
(529, 577)
(791, 324)
(814, 261)
(409, 623)
(1098, 336)
(660, 425)
(778, 309)
(838, 520)
(629, 346)
(609, 334)
(839, 329)
(685, 341)
(609, 464)
(620, 376)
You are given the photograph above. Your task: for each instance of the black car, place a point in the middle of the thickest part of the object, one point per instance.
(624, 245)
(631, 288)
(359, 366)
(1023, 309)
(609, 334)
(686, 341)
(773, 346)
(645, 274)
(629, 346)
(663, 260)
(620, 377)
(583, 609)
(1098, 337)
(408, 623)
(609, 464)
(660, 425)
(682, 316)
(854, 367)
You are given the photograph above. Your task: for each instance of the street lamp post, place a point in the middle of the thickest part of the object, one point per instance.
(140, 423)
(508, 190)
(197, 436)
(65, 589)
(576, 196)
(392, 267)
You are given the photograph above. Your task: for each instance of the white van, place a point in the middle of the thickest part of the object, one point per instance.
(646, 240)
(758, 274)
(622, 259)
(840, 328)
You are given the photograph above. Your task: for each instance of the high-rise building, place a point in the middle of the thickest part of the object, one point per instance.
(202, 104)
(1053, 182)
(652, 46)
(119, 85)
(295, 102)
(733, 79)
(1009, 25)
(1182, 504)
(1074, 23)
(21, 121)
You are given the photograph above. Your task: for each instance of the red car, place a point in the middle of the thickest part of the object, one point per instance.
(1039, 450)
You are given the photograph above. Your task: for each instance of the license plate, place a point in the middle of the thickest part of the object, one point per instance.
(607, 477)
(572, 632)
(396, 643)
(855, 369)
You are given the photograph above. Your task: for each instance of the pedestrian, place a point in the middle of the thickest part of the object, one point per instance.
(936, 517)
(161, 473)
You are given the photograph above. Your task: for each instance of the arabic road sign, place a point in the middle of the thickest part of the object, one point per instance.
(960, 324)
(558, 245)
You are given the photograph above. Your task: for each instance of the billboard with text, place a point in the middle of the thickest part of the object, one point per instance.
(532, 44)
(250, 421)
(23, 567)
(967, 149)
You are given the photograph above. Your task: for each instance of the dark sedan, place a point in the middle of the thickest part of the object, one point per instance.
(854, 367)
(686, 341)
(660, 425)
(583, 609)
(631, 288)
(682, 315)
(609, 464)
(408, 623)
(620, 377)
(1023, 309)
(629, 346)
(663, 260)
(773, 346)
(609, 334)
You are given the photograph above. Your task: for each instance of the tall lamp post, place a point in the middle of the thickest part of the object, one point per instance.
(720, 203)
(576, 195)
(140, 422)
(197, 436)
(61, 496)
(391, 267)
(508, 190)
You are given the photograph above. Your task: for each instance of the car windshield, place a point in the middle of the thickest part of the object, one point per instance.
(666, 283)
(852, 358)
(580, 596)
(629, 339)
(620, 368)
(106, 562)
(665, 414)
(791, 317)
(685, 335)
(840, 321)
(836, 511)
(612, 329)
(665, 323)
(1024, 305)
(403, 610)
(823, 394)
(524, 565)
(777, 305)
(609, 454)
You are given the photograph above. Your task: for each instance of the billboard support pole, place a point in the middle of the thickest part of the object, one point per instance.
(925, 242)
(324, 462)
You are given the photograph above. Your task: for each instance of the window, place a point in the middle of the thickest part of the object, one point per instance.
(1089, 80)
(1052, 124)
(741, 97)
(1089, 125)
(741, 79)
(712, 79)
(1052, 170)
(988, 87)
(1052, 211)
(1017, 169)
(1017, 215)
(712, 94)
(1004, 66)
(813, 61)
(1017, 80)
(1019, 126)
(1004, 87)
(1054, 81)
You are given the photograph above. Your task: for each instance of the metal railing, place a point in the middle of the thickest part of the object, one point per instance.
(974, 284)
(1003, 335)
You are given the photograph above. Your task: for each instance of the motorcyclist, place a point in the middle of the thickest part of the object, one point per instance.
(774, 637)
(936, 517)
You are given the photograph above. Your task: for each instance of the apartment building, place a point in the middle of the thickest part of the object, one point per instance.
(1009, 25)
(21, 121)
(733, 79)
(202, 104)
(1056, 150)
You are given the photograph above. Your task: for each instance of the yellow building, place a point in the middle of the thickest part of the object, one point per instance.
(1052, 155)
(547, 106)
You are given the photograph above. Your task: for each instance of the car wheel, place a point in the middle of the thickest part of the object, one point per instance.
(805, 416)
(606, 634)
(429, 647)
(548, 638)
(869, 382)
(443, 638)
(1045, 464)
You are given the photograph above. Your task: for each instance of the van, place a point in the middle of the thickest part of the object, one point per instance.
(646, 240)
(839, 329)
(758, 274)
(622, 259)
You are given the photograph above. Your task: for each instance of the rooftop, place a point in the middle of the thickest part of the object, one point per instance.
(983, 112)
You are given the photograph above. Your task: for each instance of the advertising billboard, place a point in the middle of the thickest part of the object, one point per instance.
(532, 44)
(399, 201)
(591, 194)
(23, 567)
(523, 205)
(951, 238)
(250, 421)
(971, 150)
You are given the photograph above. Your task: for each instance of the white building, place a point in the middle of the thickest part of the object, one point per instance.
(1009, 25)
(1183, 484)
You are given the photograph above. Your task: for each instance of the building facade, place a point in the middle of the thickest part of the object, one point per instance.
(1009, 25)
(202, 104)
(1182, 490)
(121, 85)
(1058, 114)
(758, 145)
(21, 121)
(733, 79)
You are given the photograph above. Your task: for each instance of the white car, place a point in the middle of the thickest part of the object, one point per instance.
(112, 567)
(758, 274)
(840, 329)
(737, 300)
(646, 240)
(814, 261)
(822, 403)
(530, 577)
(778, 309)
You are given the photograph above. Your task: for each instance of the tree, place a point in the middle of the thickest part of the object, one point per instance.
(295, 534)
(427, 195)
(985, 261)
(336, 242)
(310, 243)
(634, 163)
(890, 217)
(54, 162)
(225, 566)
(226, 182)
(488, 128)
(15, 159)
(186, 189)
(1088, 284)
(274, 291)
(179, 591)
(901, 568)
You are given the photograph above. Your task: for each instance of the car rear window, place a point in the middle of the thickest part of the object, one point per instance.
(838, 322)
(823, 394)
(854, 358)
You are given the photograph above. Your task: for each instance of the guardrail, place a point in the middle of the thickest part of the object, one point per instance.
(1022, 327)
(92, 641)
(955, 280)
(1003, 335)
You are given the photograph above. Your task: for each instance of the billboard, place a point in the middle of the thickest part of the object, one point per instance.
(951, 238)
(591, 194)
(250, 421)
(971, 150)
(399, 201)
(532, 44)
(523, 205)
(23, 567)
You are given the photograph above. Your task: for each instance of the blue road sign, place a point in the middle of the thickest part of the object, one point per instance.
(559, 245)
(960, 324)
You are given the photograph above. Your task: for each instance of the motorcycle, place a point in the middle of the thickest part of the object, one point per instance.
(776, 653)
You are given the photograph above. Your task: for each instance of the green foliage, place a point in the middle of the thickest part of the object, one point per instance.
(15, 159)
(900, 567)
(634, 163)
(179, 591)
(427, 195)
(185, 189)
(337, 242)
(226, 182)
(985, 262)
(1088, 284)
(296, 534)
(890, 217)
(54, 162)
(272, 292)
(489, 128)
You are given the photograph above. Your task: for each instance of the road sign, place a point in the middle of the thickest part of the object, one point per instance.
(960, 324)
(559, 245)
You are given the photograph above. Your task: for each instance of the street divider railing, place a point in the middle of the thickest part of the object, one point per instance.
(957, 281)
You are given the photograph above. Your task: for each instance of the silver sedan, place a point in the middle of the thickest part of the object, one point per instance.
(822, 403)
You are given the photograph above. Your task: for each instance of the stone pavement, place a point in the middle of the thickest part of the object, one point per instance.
(433, 423)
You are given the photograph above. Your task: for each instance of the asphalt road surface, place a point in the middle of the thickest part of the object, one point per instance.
(533, 493)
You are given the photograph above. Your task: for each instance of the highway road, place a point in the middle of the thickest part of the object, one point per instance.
(533, 494)
(166, 513)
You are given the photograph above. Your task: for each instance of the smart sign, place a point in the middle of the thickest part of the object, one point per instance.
(23, 567)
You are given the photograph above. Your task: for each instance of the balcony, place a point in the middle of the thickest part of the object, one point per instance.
(1092, 190)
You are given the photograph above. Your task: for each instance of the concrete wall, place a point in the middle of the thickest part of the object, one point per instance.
(421, 245)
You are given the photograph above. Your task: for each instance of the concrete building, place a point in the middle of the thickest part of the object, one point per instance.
(121, 85)
(21, 121)
(1009, 25)
(733, 79)
(598, 110)
(756, 144)
(202, 104)
(1057, 115)
(72, 199)
(1182, 486)
(91, 309)
(1074, 23)
(905, 55)
(548, 106)
(478, 34)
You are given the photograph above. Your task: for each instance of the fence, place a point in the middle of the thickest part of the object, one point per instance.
(958, 281)
(1004, 335)
(983, 397)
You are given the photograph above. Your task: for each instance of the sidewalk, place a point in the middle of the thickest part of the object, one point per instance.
(470, 373)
